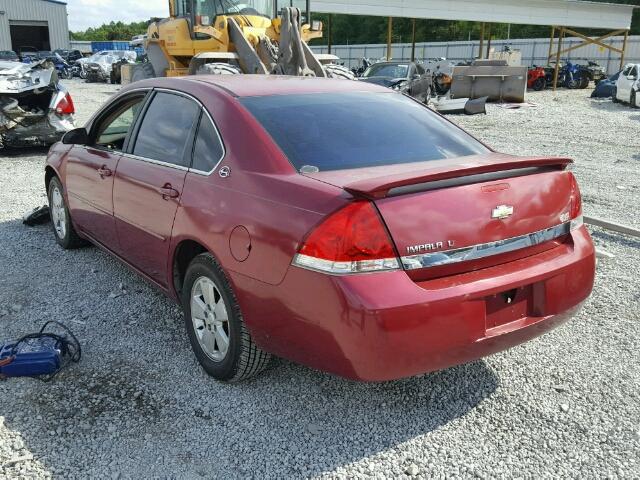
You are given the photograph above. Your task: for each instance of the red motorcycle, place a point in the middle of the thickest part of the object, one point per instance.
(536, 78)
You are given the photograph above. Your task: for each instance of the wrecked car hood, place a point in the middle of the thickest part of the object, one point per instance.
(111, 59)
(16, 77)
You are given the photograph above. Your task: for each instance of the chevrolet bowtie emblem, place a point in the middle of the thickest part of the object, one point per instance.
(502, 211)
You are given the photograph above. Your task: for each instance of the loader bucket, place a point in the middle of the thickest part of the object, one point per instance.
(500, 83)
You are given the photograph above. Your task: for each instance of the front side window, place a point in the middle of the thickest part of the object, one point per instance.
(165, 128)
(208, 149)
(112, 131)
(332, 131)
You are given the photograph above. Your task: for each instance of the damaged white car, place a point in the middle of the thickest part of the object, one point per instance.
(99, 70)
(628, 85)
(35, 109)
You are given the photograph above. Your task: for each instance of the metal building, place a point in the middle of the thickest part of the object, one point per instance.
(41, 24)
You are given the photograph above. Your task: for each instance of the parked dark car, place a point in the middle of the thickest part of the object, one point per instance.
(28, 54)
(69, 56)
(9, 55)
(406, 77)
(606, 88)
(334, 223)
(46, 54)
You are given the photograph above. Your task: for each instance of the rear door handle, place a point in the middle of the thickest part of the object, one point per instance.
(168, 192)
(103, 171)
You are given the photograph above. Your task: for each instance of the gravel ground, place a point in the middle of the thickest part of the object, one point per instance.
(565, 405)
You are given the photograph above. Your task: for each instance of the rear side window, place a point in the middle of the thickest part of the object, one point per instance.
(165, 129)
(358, 130)
(208, 150)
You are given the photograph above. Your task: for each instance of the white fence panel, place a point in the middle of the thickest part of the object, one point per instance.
(534, 51)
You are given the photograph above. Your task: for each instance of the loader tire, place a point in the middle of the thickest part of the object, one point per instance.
(338, 71)
(142, 71)
(218, 69)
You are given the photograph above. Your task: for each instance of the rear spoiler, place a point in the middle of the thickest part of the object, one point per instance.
(452, 175)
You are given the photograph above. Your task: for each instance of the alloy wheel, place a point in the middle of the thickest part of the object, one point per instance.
(58, 213)
(210, 319)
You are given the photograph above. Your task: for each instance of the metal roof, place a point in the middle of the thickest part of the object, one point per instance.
(566, 13)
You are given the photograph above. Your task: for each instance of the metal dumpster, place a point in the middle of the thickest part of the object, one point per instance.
(490, 78)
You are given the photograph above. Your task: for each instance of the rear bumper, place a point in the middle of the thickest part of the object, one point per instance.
(385, 326)
(47, 131)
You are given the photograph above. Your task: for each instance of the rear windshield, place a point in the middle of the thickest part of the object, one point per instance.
(330, 131)
(387, 70)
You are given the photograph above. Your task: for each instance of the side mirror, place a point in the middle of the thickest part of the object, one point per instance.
(77, 136)
(417, 76)
(632, 77)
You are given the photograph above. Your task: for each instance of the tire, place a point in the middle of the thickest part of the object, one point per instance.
(614, 95)
(632, 100)
(584, 82)
(63, 230)
(572, 83)
(142, 71)
(218, 69)
(338, 71)
(241, 359)
(83, 74)
(539, 84)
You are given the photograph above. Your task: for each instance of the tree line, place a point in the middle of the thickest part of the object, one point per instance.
(111, 31)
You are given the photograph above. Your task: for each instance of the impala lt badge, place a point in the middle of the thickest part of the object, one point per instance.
(426, 247)
(502, 211)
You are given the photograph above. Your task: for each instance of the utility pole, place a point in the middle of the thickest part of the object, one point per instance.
(389, 35)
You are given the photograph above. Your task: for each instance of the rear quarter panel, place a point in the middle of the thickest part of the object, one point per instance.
(263, 194)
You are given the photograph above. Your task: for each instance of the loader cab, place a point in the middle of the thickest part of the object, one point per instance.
(204, 12)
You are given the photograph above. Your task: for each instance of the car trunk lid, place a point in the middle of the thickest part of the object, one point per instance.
(469, 213)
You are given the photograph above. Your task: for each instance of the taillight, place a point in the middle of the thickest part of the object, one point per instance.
(575, 211)
(65, 106)
(351, 240)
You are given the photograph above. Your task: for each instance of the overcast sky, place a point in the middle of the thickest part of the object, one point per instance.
(93, 13)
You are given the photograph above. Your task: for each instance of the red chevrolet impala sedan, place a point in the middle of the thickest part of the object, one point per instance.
(334, 223)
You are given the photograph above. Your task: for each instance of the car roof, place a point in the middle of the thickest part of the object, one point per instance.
(264, 85)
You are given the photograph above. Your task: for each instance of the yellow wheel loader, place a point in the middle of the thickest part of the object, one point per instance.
(233, 37)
